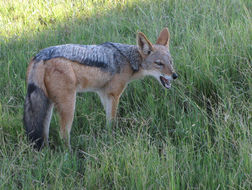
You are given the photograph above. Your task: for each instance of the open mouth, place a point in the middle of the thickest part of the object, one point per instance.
(165, 82)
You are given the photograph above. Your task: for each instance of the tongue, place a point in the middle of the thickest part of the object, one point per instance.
(165, 80)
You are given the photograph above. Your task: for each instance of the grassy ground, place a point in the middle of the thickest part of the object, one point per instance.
(197, 135)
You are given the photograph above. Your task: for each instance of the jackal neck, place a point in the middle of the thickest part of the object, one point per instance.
(129, 52)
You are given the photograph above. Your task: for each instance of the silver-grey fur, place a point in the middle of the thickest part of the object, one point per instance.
(108, 56)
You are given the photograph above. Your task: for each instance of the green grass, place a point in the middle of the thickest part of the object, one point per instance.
(197, 135)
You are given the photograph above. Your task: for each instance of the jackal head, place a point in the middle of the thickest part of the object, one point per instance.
(157, 61)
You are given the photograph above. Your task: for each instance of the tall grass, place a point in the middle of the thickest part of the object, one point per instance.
(195, 136)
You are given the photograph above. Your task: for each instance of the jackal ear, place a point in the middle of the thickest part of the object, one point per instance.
(144, 45)
(164, 38)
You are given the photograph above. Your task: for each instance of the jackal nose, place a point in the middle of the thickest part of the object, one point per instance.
(174, 76)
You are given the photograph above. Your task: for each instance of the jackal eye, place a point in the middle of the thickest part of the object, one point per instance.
(159, 63)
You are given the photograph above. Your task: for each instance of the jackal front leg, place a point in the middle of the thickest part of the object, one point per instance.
(110, 104)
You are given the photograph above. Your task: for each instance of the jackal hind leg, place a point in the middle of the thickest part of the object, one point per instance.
(47, 124)
(66, 114)
(60, 83)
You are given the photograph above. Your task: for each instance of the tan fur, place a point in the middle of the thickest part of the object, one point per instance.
(29, 70)
(144, 44)
(163, 38)
(36, 73)
(61, 79)
(89, 77)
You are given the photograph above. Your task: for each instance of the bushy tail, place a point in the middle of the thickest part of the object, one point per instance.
(35, 110)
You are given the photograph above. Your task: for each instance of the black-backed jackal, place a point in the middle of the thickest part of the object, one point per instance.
(57, 73)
